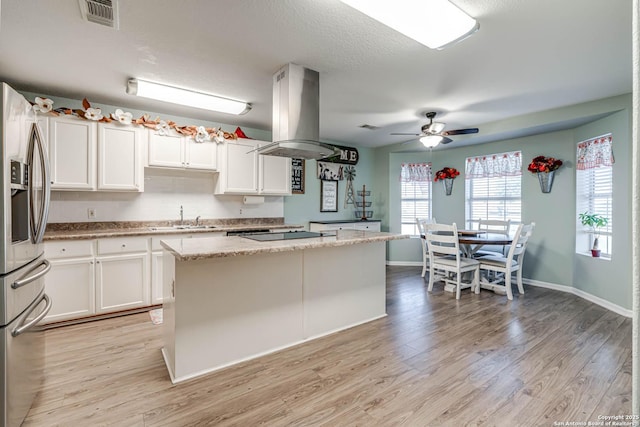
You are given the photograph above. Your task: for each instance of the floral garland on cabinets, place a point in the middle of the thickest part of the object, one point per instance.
(199, 133)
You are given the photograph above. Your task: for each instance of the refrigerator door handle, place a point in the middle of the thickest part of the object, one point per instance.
(39, 225)
(28, 279)
(24, 327)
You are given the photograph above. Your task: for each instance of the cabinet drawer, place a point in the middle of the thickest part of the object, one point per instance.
(68, 249)
(122, 245)
(368, 227)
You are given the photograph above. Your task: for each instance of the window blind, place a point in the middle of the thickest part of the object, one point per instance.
(415, 203)
(594, 194)
(493, 198)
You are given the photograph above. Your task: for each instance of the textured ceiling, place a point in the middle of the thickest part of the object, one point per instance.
(528, 56)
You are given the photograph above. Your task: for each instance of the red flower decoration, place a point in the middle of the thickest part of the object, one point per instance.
(446, 173)
(544, 164)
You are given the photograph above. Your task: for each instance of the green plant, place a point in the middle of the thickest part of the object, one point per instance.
(593, 221)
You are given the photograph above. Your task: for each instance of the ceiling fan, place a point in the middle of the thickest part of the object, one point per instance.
(433, 133)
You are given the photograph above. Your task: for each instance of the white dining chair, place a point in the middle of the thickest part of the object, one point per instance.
(445, 256)
(504, 266)
(421, 223)
(493, 226)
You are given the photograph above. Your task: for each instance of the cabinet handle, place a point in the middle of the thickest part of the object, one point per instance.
(124, 246)
(90, 262)
(64, 249)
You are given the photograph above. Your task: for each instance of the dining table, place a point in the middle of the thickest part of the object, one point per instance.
(470, 242)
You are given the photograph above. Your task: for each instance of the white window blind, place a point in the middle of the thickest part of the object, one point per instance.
(496, 195)
(415, 203)
(594, 194)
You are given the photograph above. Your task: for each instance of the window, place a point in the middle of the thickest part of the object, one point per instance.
(493, 188)
(594, 191)
(415, 196)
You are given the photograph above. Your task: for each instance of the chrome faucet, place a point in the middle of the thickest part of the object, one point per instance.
(181, 215)
(197, 220)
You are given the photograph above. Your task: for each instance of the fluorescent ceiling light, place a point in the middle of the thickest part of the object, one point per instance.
(187, 97)
(431, 141)
(434, 23)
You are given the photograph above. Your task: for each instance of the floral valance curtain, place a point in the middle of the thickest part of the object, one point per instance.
(494, 165)
(595, 152)
(415, 172)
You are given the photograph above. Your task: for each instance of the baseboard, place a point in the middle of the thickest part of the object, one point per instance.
(406, 263)
(582, 294)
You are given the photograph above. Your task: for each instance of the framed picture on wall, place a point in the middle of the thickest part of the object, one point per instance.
(328, 196)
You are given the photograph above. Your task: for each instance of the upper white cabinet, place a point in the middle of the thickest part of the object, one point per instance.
(275, 175)
(72, 152)
(92, 156)
(177, 151)
(243, 171)
(119, 158)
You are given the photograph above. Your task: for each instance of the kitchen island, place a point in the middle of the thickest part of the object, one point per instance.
(231, 299)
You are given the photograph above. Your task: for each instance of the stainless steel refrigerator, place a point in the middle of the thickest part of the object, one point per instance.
(23, 218)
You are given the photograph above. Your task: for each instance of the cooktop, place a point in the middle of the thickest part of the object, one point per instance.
(287, 235)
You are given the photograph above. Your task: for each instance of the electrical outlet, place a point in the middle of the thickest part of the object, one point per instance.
(91, 213)
(240, 211)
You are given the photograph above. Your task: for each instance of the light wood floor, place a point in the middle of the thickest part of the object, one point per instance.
(433, 361)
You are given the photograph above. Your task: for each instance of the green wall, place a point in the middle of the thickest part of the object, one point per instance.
(302, 208)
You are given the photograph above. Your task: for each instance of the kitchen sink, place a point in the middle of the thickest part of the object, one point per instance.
(183, 227)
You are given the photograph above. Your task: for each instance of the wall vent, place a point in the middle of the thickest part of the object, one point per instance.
(370, 127)
(103, 12)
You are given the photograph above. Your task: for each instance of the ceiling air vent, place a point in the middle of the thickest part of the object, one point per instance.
(103, 12)
(370, 127)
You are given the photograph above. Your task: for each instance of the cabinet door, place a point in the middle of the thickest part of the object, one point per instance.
(275, 175)
(166, 150)
(119, 158)
(201, 155)
(72, 152)
(122, 282)
(241, 168)
(156, 278)
(70, 284)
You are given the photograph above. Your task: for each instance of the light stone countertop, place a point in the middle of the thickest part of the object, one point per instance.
(98, 233)
(205, 248)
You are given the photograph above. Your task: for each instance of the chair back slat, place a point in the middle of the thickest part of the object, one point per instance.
(442, 239)
(494, 226)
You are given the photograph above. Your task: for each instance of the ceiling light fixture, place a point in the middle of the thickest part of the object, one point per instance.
(431, 141)
(186, 97)
(434, 23)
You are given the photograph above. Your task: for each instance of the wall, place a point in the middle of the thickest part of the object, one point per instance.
(302, 208)
(165, 190)
(551, 257)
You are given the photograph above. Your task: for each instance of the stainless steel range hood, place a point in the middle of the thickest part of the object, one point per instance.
(296, 115)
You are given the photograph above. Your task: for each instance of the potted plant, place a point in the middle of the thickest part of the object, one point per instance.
(594, 221)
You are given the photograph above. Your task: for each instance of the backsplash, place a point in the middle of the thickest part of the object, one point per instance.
(164, 192)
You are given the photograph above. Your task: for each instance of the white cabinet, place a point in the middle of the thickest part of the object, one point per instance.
(90, 156)
(275, 175)
(243, 171)
(70, 283)
(120, 157)
(357, 225)
(72, 153)
(122, 274)
(177, 151)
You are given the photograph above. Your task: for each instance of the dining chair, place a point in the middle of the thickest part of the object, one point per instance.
(444, 255)
(493, 226)
(504, 266)
(421, 223)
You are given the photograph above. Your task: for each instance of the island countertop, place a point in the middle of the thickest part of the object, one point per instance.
(216, 247)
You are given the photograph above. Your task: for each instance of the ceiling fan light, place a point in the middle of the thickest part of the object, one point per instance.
(431, 141)
(434, 23)
(186, 97)
(436, 127)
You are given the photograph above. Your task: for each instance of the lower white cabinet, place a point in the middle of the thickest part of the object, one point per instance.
(70, 284)
(122, 282)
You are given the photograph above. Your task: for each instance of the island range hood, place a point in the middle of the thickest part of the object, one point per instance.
(296, 115)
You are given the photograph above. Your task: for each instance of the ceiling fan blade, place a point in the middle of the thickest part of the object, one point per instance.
(412, 134)
(460, 131)
(445, 140)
